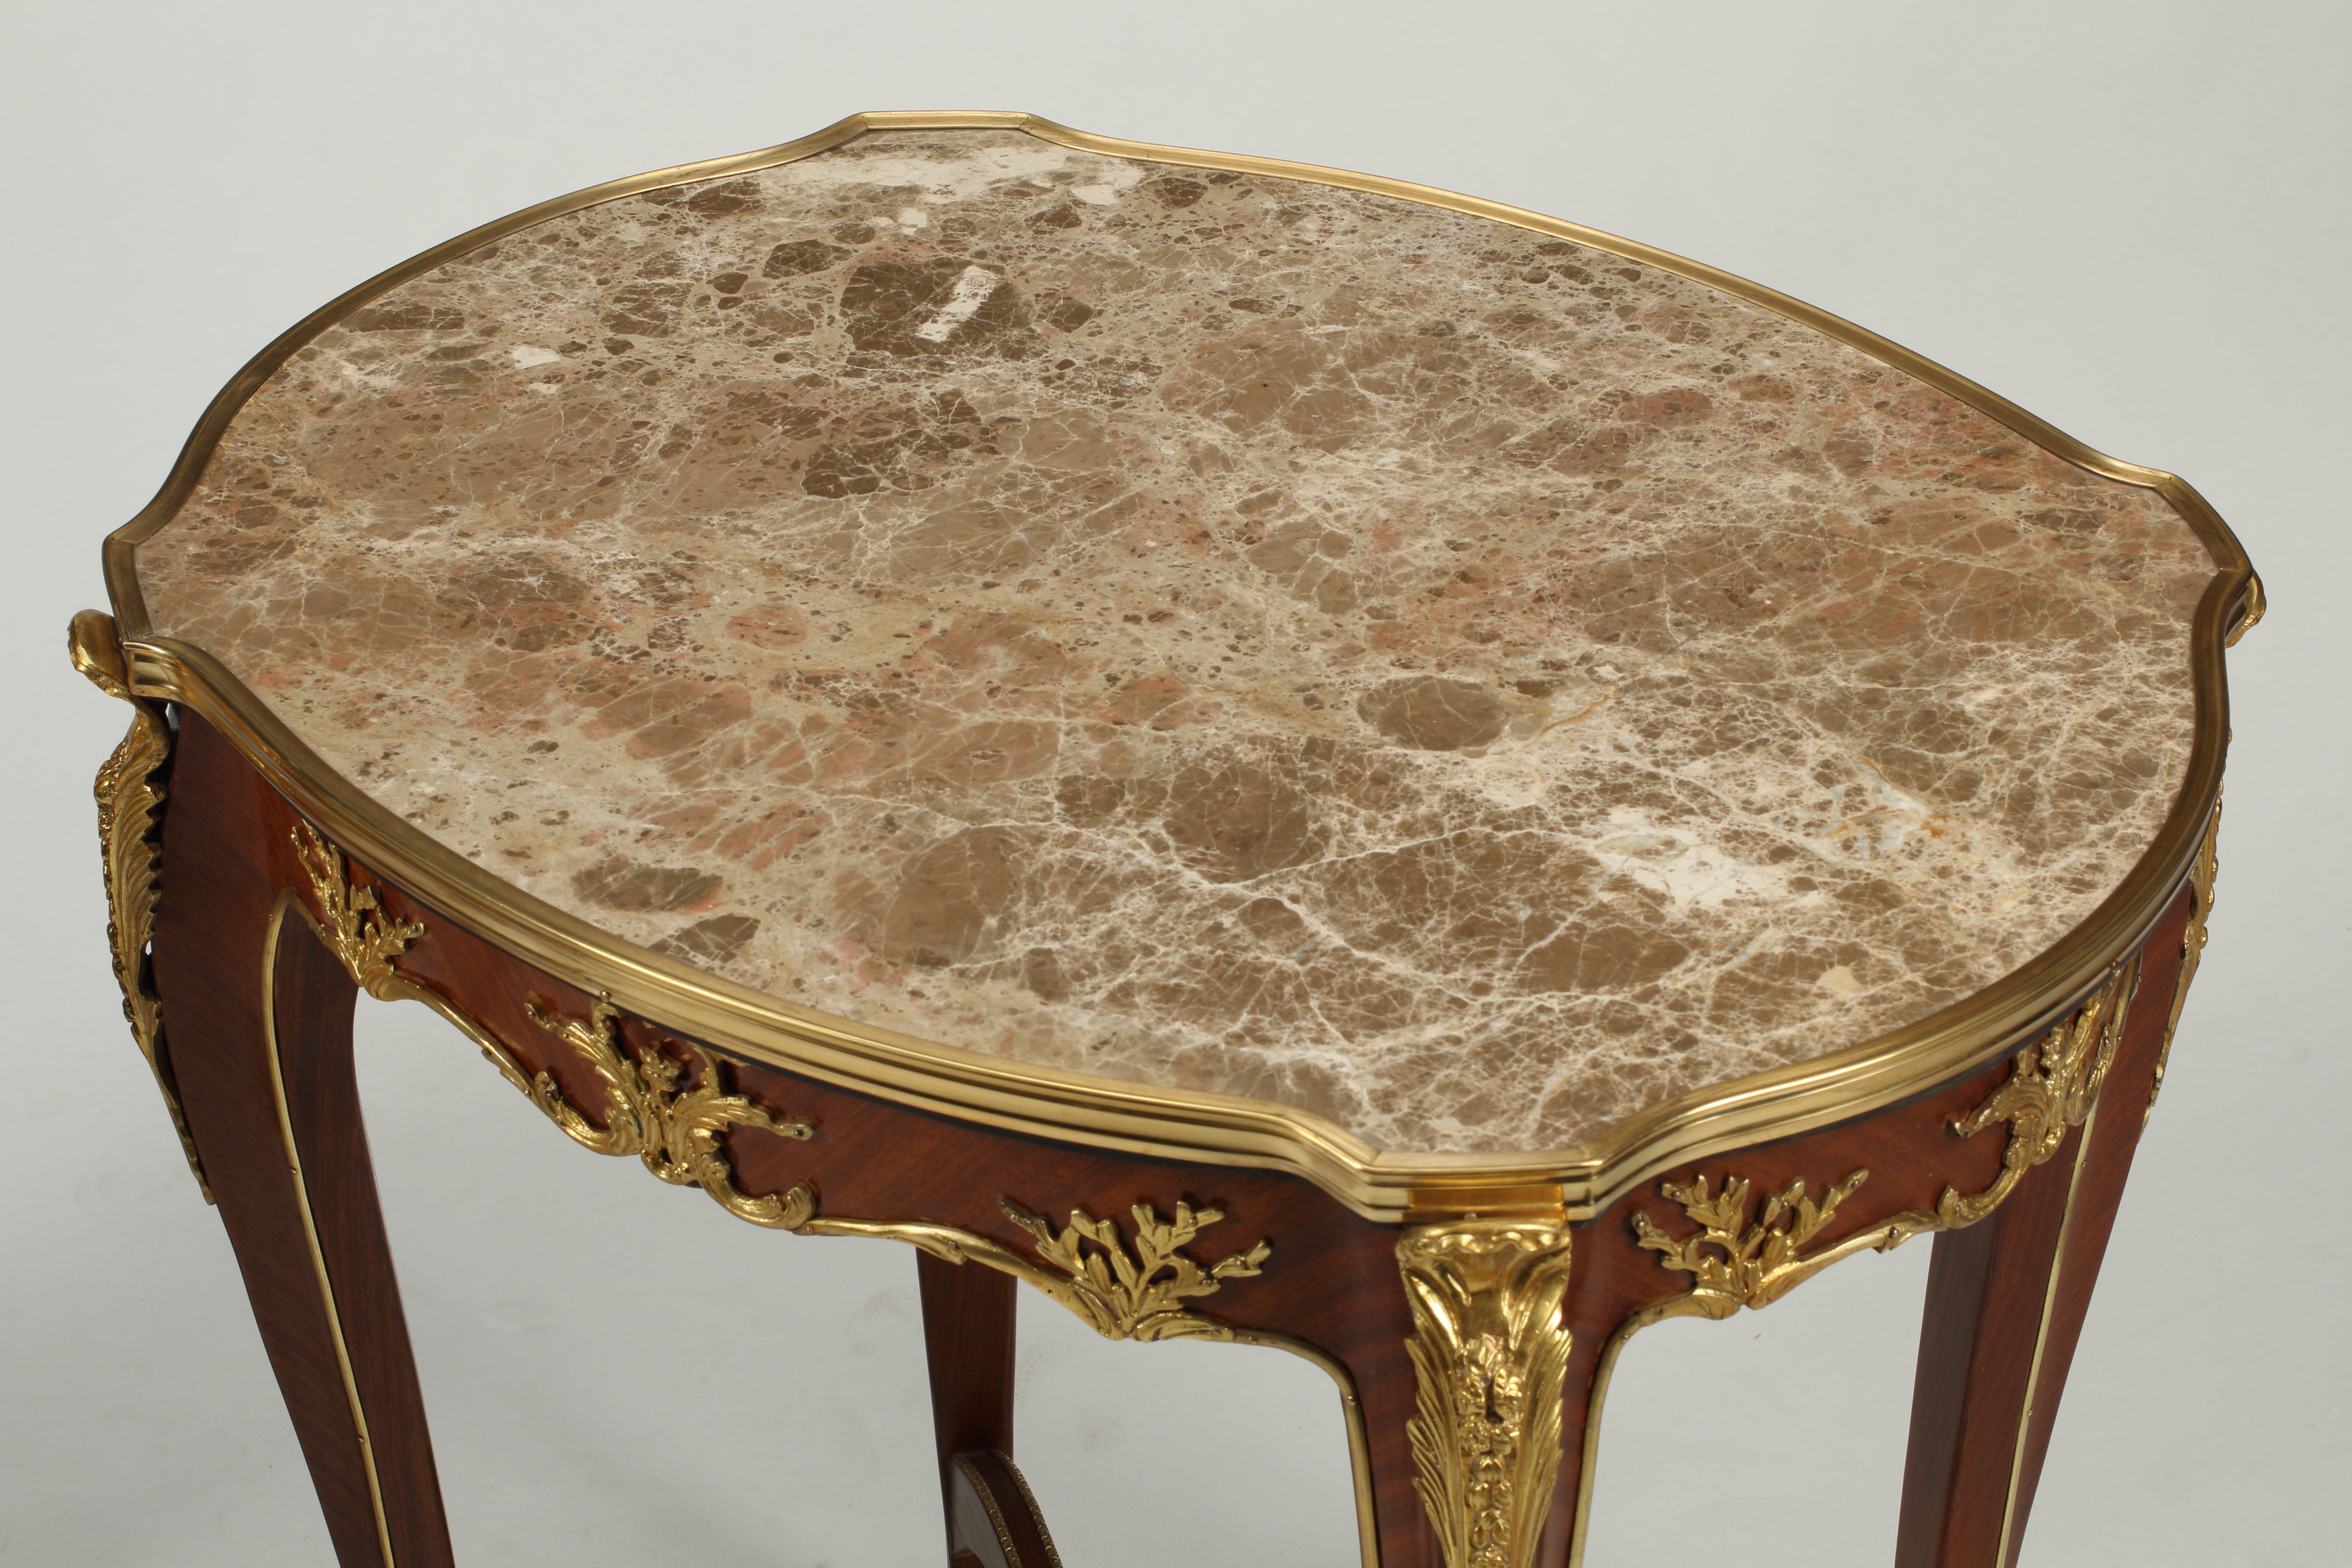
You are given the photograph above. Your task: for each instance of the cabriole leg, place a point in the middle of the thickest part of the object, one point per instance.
(259, 1014)
(2006, 1301)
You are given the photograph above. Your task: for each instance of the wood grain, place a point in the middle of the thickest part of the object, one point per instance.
(222, 866)
(2006, 1303)
(1331, 1279)
(969, 1315)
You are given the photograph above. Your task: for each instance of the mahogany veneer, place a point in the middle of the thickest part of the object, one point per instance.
(1281, 756)
(229, 839)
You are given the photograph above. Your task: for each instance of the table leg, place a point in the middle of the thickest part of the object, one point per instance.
(968, 1339)
(2006, 1303)
(260, 1019)
(1495, 1378)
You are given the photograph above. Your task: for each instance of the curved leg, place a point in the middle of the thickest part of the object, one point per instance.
(260, 1019)
(968, 1341)
(2006, 1303)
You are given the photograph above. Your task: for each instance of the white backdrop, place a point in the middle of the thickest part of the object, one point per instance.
(2132, 218)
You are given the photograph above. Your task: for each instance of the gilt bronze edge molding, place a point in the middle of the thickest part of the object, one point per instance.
(986, 1494)
(1220, 1129)
(1387, 1188)
(2243, 598)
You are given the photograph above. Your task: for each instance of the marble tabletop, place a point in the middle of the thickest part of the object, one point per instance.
(1205, 629)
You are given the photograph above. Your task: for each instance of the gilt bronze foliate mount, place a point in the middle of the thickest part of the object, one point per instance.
(631, 1051)
(671, 1112)
(131, 790)
(1489, 1337)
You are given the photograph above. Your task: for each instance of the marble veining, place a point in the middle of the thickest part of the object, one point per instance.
(1210, 630)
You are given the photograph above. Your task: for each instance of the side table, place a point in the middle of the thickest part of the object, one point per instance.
(1284, 757)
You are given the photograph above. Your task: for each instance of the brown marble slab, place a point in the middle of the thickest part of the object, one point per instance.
(1209, 630)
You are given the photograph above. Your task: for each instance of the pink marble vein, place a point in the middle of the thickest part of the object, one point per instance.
(1210, 631)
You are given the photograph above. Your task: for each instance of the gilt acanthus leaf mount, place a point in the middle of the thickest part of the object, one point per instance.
(674, 1117)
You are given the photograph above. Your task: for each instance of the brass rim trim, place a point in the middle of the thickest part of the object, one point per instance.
(278, 913)
(1174, 1123)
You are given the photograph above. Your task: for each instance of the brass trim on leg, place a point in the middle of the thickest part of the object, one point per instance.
(1359, 1439)
(130, 795)
(285, 900)
(2193, 946)
(1588, 1461)
(1490, 1356)
(2042, 1337)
